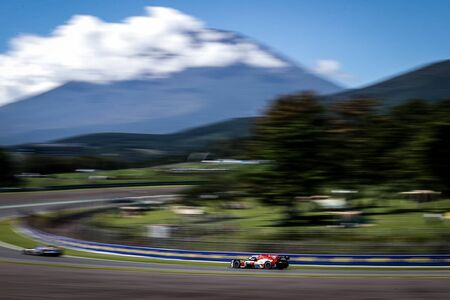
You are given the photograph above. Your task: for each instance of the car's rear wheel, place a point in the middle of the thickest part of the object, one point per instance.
(282, 266)
(267, 265)
(236, 264)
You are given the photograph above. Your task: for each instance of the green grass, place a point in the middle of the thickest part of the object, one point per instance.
(8, 235)
(260, 217)
(160, 173)
(391, 221)
(116, 176)
(154, 217)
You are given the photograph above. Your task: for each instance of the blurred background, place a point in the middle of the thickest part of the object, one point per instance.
(344, 147)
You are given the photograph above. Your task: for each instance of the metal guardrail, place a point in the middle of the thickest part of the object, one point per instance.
(225, 257)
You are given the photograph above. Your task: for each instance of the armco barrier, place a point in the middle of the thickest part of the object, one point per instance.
(218, 256)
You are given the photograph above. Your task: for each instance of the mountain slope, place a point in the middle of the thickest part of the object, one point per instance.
(189, 140)
(431, 82)
(143, 147)
(190, 98)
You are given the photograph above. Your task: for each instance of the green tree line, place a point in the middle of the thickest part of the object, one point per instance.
(311, 145)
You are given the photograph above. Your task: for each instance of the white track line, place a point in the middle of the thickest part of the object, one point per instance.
(80, 201)
(9, 246)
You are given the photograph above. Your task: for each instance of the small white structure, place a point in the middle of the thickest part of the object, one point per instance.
(344, 192)
(130, 211)
(187, 210)
(159, 231)
(422, 195)
(233, 161)
(85, 170)
(325, 201)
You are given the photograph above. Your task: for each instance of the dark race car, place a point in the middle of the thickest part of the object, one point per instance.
(262, 261)
(44, 251)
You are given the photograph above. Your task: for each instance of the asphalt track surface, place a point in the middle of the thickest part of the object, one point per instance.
(31, 282)
(80, 278)
(12, 204)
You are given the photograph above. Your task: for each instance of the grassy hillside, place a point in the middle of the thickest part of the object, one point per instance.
(430, 82)
(192, 139)
(140, 147)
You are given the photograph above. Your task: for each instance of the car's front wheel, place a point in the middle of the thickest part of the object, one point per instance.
(267, 265)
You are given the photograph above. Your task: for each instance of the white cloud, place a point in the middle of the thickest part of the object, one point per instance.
(88, 49)
(332, 69)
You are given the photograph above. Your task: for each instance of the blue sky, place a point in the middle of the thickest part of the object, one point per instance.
(369, 39)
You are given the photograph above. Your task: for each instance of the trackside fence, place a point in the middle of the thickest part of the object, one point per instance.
(422, 260)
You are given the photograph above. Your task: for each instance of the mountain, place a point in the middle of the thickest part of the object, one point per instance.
(187, 140)
(186, 99)
(136, 147)
(430, 82)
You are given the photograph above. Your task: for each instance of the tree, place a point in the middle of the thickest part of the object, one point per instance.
(292, 136)
(355, 138)
(423, 160)
(7, 170)
(438, 154)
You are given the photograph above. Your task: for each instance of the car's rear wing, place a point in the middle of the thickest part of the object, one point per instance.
(286, 257)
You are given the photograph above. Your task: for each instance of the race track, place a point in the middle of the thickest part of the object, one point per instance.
(80, 278)
(12, 204)
(33, 282)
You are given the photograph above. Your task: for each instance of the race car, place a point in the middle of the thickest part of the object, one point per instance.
(44, 251)
(262, 261)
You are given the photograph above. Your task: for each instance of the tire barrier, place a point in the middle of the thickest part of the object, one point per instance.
(225, 257)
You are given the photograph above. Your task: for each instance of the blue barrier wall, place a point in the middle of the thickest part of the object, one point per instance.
(218, 256)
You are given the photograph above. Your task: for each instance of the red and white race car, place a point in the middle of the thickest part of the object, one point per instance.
(262, 261)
